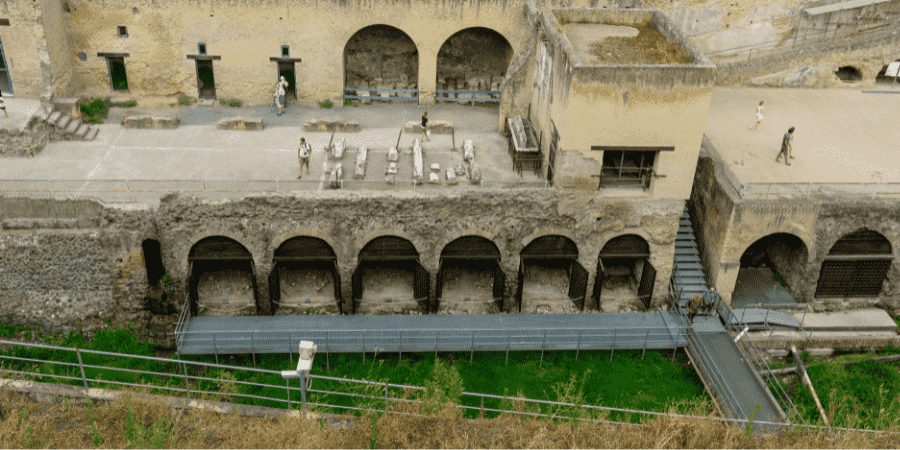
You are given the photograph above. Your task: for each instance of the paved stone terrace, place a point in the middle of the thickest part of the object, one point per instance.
(841, 136)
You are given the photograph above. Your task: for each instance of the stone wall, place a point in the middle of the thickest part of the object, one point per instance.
(91, 257)
(712, 203)
(25, 142)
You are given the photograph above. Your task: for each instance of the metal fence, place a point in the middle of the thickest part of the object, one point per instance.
(468, 99)
(372, 96)
(305, 387)
(789, 190)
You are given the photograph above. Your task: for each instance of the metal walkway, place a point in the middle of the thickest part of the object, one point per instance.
(725, 369)
(499, 332)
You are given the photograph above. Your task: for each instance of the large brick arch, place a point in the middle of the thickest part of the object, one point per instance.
(442, 39)
(501, 246)
(356, 27)
(895, 249)
(280, 239)
(240, 239)
(362, 243)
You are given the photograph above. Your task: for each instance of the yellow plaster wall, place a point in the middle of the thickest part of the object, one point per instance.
(23, 41)
(246, 35)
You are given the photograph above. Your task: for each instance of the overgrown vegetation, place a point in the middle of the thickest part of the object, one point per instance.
(232, 102)
(95, 110)
(326, 104)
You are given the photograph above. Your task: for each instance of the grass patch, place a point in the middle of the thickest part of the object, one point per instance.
(233, 102)
(95, 110)
(326, 104)
(184, 100)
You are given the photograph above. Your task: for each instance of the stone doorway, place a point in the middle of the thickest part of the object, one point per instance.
(473, 59)
(551, 280)
(856, 266)
(769, 270)
(624, 274)
(389, 279)
(381, 57)
(118, 78)
(287, 70)
(206, 81)
(5, 80)
(305, 278)
(153, 261)
(470, 279)
(220, 278)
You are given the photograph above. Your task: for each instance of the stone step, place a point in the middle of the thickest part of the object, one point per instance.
(54, 116)
(92, 134)
(82, 131)
(73, 126)
(63, 121)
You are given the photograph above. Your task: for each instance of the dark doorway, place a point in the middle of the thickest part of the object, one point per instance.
(5, 81)
(856, 266)
(221, 280)
(206, 82)
(624, 272)
(153, 261)
(117, 74)
(849, 74)
(286, 70)
(390, 279)
(549, 271)
(769, 268)
(470, 279)
(305, 278)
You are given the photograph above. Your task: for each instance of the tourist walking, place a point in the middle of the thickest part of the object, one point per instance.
(694, 307)
(787, 147)
(709, 302)
(279, 98)
(303, 155)
(759, 116)
(425, 132)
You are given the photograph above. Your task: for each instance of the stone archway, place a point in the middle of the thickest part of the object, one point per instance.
(770, 268)
(470, 279)
(380, 57)
(856, 266)
(390, 279)
(473, 59)
(550, 277)
(624, 273)
(221, 279)
(849, 74)
(304, 277)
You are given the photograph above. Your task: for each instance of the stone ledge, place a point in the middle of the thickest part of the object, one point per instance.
(119, 101)
(148, 121)
(241, 123)
(345, 126)
(54, 223)
(435, 126)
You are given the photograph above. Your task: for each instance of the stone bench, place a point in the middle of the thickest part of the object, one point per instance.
(241, 123)
(345, 126)
(148, 121)
(435, 126)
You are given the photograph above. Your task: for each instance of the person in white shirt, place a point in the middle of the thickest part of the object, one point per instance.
(303, 155)
(759, 116)
(279, 98)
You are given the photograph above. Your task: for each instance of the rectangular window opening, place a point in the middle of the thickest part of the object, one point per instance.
(123, 32)
(623, 168)
(117, 74)
(285, 51)
(201, 48)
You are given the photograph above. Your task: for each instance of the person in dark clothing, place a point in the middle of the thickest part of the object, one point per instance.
(424, 127)
(694, 307)
(3, 105)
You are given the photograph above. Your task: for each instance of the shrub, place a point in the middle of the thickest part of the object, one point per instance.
(347, 102)
(184, 100)
(234, 103)
(326, 104)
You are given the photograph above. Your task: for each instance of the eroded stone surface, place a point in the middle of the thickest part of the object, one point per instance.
(148, 121)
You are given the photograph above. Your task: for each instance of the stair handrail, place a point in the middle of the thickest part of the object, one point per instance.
(716, 377)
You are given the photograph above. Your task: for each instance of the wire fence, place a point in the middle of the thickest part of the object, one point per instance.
(98, 368)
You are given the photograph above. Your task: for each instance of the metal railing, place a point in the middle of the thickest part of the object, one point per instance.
(763, 190)
(306, 387)
(626, 177)
(722, 390)
(378, 97)
(130, 187)
(467, 99)
(183, 320)
(338, 341)
(811, 36)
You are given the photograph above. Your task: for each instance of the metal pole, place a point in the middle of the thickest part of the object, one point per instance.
(81, 366)
(613, 348)
(327, 362)
(472, 355)
(646, 338)
(401, 348)
(767, 316)
(216, 349)
(287, 382)
(253, 348)
(303, 391)
(435, 345)
(290, 346)
(508, 338)
(542, 348)
(364, 346)
(186, 385)
(578, 348)
(482, 408)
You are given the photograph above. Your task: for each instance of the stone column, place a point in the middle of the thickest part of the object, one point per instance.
(263, 300)
(427, 81)
(432, 298)
(725, 279)
(591, 276)
(511, 267)
(345, 269)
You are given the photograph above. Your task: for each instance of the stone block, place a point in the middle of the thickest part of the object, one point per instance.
(120, 101)
(778, 353)
(417, 161)
(435, 167)
(822, 351)
(347, 126)
(434, 126)
(241, 123)
(316, 125)
(434, 178)
(451, 176)
(338, 149)
(139, 121)
(469, 151)
(392, 168)
(337, 174)
(474, 173)
(361, 162)
(393, 154)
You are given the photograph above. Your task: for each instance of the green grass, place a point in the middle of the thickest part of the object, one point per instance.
(629, 382)
(232, 102)
(95, 110)
(184, 100)
(326, 104)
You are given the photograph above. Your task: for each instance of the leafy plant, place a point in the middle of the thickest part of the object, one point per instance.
(121, 85)
(749, 430)
(184, 100)
(443, 389)
(234, 103)
(684, 57)
(326, 104)
(347, 102)
(155, 435)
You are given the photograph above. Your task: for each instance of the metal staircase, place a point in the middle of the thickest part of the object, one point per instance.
(687, 279)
